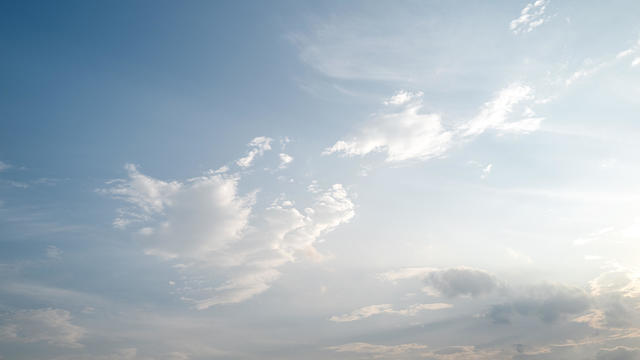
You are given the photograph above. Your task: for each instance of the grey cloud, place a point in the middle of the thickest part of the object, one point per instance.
(618, 353)
(461, 282)
(546, 302)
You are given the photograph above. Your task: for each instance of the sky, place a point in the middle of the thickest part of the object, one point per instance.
(440, 180)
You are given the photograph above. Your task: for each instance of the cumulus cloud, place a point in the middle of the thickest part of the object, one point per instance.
(52, 326)
(257, 147)
(403, 133)
(285, 160)
(530, 17)
(207, 226)
(460, 282)
(199, 215)
(372, 310)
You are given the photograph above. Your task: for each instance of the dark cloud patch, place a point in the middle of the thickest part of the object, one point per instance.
(546, 302)
(461, 282)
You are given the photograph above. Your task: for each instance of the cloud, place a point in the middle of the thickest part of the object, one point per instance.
(200, 215)
(52, 326)
(460, 282)
(363, 313)
(486, 171)
(402, 97)
(621, 282)
(380, 351)
(546, 302)
(403, 133)
(618, 353)
(257, 147)
(530, 17)
(494, 114)
(212, 231)
(413, 351)
(406, 273)
(372, 310)
(4, 166)
(285, 160)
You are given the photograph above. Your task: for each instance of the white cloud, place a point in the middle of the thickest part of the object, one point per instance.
(635, 62)
(405, 134)
(285, 160)
(494, 115)
(402, 97)
(215, 232)
(486, 171)
(205, 213)
(621, 281)
(282, 234)
(4, 166)
(52, 326)
(257, 147)
(530, 17)
(406, 273)
(363, 313)
(372, 310)
(624, 53)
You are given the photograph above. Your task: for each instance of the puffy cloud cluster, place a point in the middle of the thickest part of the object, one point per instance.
(530, 17)
(404, 133)
(212, 232)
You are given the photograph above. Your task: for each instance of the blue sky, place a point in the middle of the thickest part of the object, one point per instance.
(348, 180)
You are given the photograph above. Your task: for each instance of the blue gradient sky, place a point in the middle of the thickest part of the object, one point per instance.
(440, 180)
